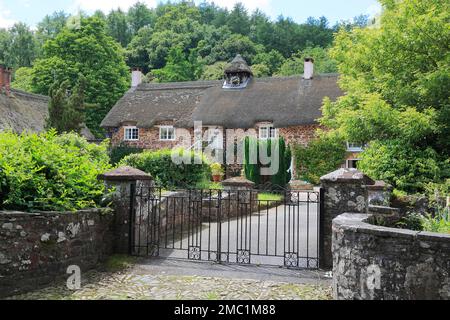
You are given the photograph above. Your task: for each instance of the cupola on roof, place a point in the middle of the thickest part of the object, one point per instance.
(238, 65)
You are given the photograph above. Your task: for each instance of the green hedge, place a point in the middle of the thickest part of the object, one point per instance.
(50, 172)
(167, 173)
(323, 155)
(120, 152)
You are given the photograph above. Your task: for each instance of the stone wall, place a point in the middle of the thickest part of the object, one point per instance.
(149, 138)
(344, 190)
(378, 263)
(37, 248)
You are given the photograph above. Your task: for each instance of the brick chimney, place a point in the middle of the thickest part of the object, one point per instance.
(5, 80)
(309, 69)
(136, 77)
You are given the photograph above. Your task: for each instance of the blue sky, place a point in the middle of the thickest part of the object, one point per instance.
(32, 11)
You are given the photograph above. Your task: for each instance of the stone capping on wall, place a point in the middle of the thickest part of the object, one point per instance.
(124, 174)
(381, 263)
(360, 223)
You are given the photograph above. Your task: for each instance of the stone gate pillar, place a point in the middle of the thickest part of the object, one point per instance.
(343, 191)
(125, 180)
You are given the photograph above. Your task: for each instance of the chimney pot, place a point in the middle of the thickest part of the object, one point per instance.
(136, 77)
(309, 69)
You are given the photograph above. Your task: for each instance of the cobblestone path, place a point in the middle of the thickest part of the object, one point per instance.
(137, 283)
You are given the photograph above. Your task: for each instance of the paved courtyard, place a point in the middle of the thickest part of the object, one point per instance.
(183, 280)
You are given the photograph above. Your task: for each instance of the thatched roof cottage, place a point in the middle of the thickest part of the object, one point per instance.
(155, 115)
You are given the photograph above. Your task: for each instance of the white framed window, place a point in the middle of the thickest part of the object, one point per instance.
(268, 132)
(131, 134)
(167, 133)
(354, 147)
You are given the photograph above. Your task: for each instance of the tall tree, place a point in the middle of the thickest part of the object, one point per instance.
(51, 25)
(238, 20)
(118, 27)
(139, 16)
(180, 67)
(66, 109)
(86, 50)
(22, 46)
(397, 80)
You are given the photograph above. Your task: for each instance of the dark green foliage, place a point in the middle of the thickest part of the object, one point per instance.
(179, 67)
(49, 172)
(122, 151)
(66, 109)
(89, 51)
(322, 156)
(254, 162)
(397, 102)
(166, 172)
(407, 168)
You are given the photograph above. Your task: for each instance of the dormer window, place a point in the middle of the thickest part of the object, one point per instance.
(238, 74)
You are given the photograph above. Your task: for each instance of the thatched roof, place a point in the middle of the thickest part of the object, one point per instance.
(152, 103)
(238, 65)
(24, 111)
(286, 102)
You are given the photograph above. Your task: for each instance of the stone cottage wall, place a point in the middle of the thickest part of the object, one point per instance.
(149, 138)
(37, 249)
(378, 263)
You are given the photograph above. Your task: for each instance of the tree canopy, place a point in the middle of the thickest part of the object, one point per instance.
(397, 79)
(89, 51)
(161, 41)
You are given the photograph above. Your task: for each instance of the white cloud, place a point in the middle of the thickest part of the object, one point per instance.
(5, 17)
(107, 5)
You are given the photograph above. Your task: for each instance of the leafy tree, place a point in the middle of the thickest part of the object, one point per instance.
(22, 46)
(66, 109)
(139, 16)
(89, 51)
(179, 67)
(23, 79)
(137, 52)
(272, 60)
(295, 65)
(5, 45)
(324, 154)
(215, 71)
(397, 80)
(238, 20)
(261, 70)
(236, 44)
(51, 25)
(118, 28)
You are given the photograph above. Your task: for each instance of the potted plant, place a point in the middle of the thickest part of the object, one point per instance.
(217, 172)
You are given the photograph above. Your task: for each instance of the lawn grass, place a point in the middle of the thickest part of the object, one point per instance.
(270, 197)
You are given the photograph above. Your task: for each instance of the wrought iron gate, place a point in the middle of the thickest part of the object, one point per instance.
(281, 229)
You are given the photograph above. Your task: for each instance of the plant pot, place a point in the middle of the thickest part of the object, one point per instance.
(217, 178)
